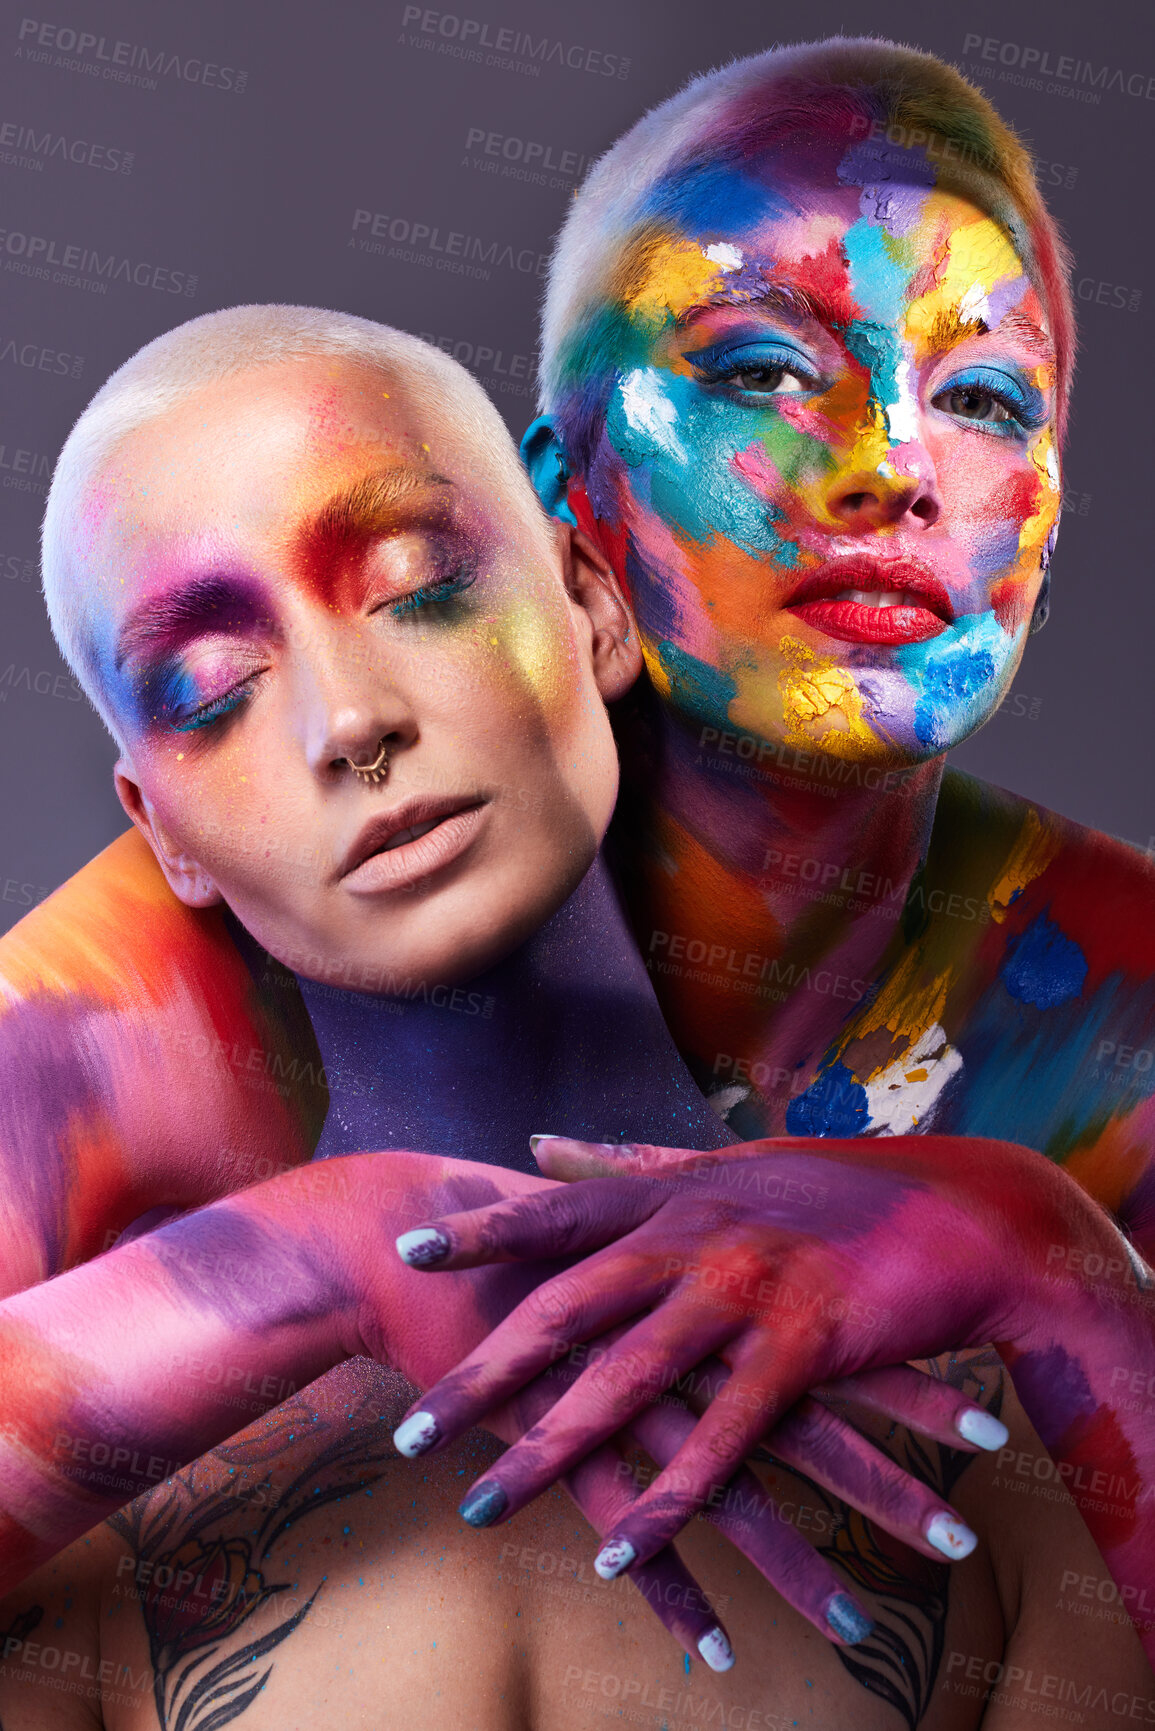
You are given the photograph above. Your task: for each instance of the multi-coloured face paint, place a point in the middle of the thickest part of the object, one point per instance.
(828, 447)
(297, 565)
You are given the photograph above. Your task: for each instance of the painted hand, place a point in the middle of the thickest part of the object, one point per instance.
(798, 1264)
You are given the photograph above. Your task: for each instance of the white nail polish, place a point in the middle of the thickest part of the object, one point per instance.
(613, 1558)
(716, 1650)
(949, 1535)
(983, 1429)
(415, 1434)
(423, 1247)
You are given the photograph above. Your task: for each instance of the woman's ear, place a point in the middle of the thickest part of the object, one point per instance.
(186, 878)
(544, 456)
(591, 585)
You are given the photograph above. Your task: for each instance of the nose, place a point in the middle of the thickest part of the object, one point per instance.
(349, 701)
(902, 485)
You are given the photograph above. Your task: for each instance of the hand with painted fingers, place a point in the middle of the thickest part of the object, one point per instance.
(796, 1266)
(135, 1360)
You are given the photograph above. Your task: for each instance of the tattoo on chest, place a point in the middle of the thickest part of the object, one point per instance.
(202, 1584)
(908, 1594)
(205, 1579)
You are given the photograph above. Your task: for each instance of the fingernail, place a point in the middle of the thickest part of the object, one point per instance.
(950, 1536)
(542, 1136)
(983, 1429)
(613, 1557)
(415, 1434)
(423, 1248)
(848, 1622)
(716, 1650)
(483, 1505)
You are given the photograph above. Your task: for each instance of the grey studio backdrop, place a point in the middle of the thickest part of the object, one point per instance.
(160, 160)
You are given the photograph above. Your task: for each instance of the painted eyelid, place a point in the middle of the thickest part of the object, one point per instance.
(760, 351)
(428, 593)
(214, 708)
(1022, 396)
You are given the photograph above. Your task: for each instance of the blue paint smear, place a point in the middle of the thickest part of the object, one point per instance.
(1041, 1082)
(711, 198)
(946, 684)
(1043, 966)
(696, 685)
(954, 675)
(701, 493)
(878, 278)
(833, 1105)
(875, 349)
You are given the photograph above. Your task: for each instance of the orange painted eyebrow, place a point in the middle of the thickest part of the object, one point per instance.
(370, 506)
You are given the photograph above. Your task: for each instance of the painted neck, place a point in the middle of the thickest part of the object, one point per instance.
(564, 1035)
(751, 869)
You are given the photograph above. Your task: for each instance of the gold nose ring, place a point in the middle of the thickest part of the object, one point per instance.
(375, 771)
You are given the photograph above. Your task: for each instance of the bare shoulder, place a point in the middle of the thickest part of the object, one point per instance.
(1072, 1650)
(1015, 849)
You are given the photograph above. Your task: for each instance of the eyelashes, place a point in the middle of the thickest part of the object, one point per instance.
(181, 709)
(1024, 408)
(985, 398)
(766, 364)
(432, 596)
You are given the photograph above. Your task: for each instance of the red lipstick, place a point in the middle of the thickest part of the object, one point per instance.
(862, 599)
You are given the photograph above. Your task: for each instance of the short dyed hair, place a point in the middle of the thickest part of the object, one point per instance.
(852, 87)
(204, 351)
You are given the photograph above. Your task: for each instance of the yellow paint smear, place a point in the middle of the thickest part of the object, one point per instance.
(1032, 853)
(980, 255)
(680, 276)
(815, 690)
(907, 1005)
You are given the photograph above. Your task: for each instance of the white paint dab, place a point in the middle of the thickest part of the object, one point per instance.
(906, 1093)
(902, 416)
(649, 411)
(721, 252)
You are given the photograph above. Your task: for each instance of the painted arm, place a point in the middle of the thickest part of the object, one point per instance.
(145, 1063)
(116, 1373)
(797, 1265)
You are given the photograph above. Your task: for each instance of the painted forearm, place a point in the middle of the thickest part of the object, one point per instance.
(1083, 1365)
(144, 1063)
(114, 1374)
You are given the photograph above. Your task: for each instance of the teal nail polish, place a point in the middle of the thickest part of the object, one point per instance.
(483, 1505)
